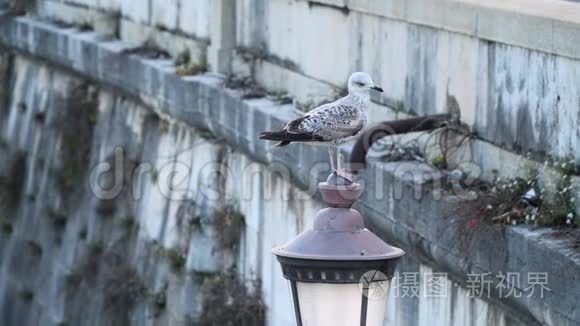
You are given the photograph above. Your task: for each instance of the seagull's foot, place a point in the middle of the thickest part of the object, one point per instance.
(344, 174)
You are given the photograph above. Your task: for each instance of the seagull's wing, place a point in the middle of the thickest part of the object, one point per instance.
(330, 121)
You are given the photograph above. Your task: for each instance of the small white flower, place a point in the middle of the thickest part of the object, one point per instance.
(570, 215)
(572, 199)
(568, 221)
(514, 222)
(533, 217)
(489, 207)
(527, 217)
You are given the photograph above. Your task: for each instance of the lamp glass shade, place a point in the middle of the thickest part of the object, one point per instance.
(340, 304)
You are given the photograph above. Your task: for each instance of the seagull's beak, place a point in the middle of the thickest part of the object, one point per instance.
(377, 88)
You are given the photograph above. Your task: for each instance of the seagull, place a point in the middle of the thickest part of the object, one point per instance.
(333, 123)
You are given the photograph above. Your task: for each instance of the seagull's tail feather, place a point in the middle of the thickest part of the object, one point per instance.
(282, 143)
(285, 138)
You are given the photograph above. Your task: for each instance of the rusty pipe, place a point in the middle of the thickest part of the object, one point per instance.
(393, 127)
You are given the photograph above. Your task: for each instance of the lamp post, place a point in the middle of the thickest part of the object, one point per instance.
(339, 271)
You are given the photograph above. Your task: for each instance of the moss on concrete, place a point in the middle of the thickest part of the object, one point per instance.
(185, 67)
(123, 289)
(34, 248)
(7, 228)
(58, 217)
(228, 224)
(83, 234)
(227, 300)
(78, 117)
(175, 257)
(159, 301)
(27, 295)
(13, 181)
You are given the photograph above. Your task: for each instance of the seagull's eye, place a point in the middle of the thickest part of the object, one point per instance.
(359, 83)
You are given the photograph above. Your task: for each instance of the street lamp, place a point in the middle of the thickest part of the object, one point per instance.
(339, 271)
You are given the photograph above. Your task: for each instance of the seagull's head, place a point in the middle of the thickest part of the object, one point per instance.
(361, 83)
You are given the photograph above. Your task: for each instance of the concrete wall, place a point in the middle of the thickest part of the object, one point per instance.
(422, 52)
(274, 210)
(513, 92)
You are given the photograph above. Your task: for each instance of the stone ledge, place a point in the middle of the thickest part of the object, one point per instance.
(548, 26)
(421, 226)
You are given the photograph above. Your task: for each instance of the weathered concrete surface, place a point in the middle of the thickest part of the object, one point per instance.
(423, 53)
(274, 211)
(426, 52)
(421, 226)
(49, 263)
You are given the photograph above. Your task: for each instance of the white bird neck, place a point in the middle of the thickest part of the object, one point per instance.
(362, 96)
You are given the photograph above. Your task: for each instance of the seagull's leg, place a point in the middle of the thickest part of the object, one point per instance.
(330, 156)
(340, 171)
